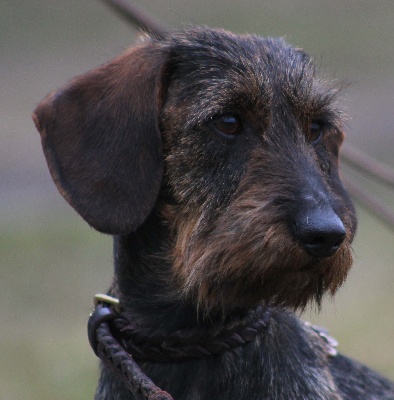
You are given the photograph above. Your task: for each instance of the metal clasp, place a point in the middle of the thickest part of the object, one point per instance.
(100, 298)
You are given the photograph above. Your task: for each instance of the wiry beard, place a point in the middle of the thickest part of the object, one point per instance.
(248, 256)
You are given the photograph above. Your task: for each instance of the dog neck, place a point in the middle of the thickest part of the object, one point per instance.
(143, 279)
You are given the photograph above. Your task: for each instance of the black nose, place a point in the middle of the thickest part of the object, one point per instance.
(320, 232)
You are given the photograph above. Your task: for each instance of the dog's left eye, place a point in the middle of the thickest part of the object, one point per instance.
(315, 132)
(228, 125)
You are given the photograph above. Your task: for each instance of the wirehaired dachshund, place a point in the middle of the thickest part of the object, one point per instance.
(212, 159)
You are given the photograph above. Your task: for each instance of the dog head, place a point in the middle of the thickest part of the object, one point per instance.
(234, 141)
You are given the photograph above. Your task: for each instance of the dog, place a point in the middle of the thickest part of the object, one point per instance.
(212, 158)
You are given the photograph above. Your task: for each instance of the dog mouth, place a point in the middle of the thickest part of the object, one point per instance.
(292, 282)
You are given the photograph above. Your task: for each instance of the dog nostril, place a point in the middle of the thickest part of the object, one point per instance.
(317, 241)
(321, 232)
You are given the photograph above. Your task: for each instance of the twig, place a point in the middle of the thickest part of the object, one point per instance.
(380, 211)
(368, 165)
(138, 17)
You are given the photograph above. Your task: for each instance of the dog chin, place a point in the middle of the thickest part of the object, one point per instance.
(275, 280)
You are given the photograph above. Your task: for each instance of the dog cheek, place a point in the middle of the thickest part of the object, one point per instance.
(225, 273)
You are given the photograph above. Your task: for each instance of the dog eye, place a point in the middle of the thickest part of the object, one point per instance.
(315, 132)
(228, 125)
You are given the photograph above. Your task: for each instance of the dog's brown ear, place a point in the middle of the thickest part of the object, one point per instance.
(101, 139)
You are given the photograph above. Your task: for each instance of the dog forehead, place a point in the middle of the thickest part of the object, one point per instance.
(219, 70)
(211, 53)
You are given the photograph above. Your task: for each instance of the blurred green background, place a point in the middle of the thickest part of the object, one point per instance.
(52, 263)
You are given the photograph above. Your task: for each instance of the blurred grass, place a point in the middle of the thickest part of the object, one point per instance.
(50, 272)
(51, 263)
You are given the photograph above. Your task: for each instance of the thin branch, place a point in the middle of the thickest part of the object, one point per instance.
(366, 164)
(138, 17)
(382, 212)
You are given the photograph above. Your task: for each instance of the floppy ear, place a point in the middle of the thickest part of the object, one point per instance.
(101, 139)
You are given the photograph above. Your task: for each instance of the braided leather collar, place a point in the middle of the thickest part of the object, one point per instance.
(191, 343)
(185, 344)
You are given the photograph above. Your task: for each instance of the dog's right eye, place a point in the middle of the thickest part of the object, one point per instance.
(315, 132)
(227, 125)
